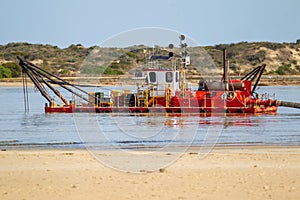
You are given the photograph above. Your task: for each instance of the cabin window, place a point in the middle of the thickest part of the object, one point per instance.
(169, 77)
(152, 76)
(177, 77)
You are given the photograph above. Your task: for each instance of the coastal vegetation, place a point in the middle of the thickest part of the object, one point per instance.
(281, 58)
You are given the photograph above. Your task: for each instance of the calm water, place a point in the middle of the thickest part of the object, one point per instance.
(37, 129)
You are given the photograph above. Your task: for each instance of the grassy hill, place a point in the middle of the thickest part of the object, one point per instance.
(281, 58)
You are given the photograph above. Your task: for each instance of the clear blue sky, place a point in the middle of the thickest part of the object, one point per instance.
(89, 22)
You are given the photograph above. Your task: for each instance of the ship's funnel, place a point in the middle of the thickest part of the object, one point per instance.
(225, 70)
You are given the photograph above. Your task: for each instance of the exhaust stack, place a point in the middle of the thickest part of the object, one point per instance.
(225, 70)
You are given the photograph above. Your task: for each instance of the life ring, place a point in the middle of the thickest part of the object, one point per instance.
(230, 95)
(224, 96)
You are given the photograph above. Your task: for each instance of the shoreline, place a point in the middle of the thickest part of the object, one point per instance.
(266, 80)
(249, 172)
(81, 146)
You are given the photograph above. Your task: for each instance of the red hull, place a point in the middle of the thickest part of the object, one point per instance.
(75, 109)
(191, 102)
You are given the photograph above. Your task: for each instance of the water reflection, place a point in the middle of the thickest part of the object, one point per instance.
(183, 119)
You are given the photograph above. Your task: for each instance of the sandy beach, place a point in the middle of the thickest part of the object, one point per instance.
(226, 173)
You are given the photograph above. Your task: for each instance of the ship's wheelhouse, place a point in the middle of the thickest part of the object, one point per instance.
(163, 79)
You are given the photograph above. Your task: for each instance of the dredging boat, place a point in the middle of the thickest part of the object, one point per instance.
(165, 90)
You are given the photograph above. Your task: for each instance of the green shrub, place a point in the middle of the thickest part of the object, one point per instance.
(234, 67)
(221, 46)
(92, 70)
(294, 62)
(4, 72)
(15, 69)
(131, 54)
(256, 58)
(231, 53)
(283, 70)
(273, 46)
(65, 72)
(110, 71)
(115, 65)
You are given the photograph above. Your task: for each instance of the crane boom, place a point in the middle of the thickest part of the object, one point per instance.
(41, 77)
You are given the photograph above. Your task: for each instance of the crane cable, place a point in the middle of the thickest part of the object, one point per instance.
(25, 93)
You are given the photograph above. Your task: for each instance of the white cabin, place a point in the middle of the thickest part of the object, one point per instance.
(163, 79)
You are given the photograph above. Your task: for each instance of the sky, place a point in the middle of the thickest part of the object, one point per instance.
(90, 22)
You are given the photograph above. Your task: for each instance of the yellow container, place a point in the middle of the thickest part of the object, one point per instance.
(91, 98)
(115, 93)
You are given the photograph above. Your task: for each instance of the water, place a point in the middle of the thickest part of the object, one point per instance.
(38, 129)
